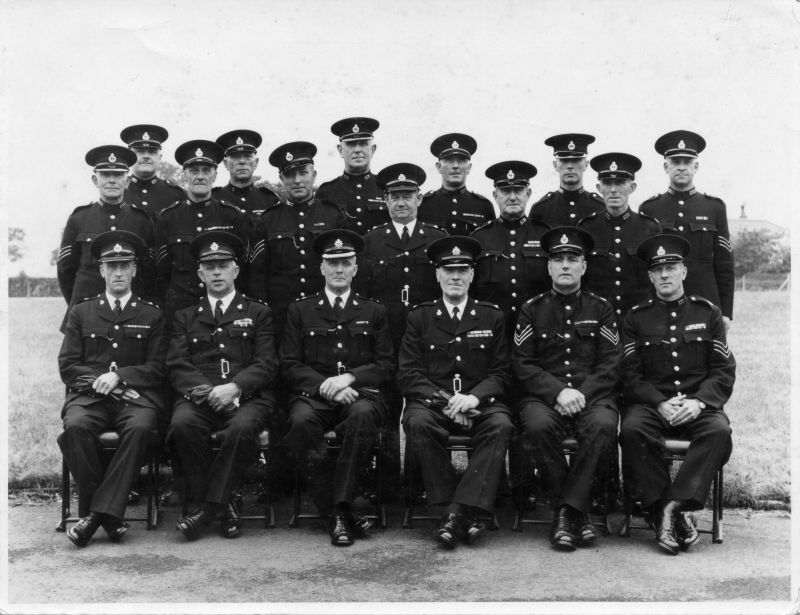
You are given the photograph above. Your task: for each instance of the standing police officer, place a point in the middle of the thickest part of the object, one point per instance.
(356, 191)
(112, 361)
(146, 189)
(222, 367)
(453, 372)
(337, 357)
(452, 207)
(76, 267)
(678, 373)
(241, 148)
(566, 358)
(570, 203)
(613, 270)
(701, 218)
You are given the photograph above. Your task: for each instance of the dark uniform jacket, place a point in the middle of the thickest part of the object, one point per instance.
(613, 270)
(397, 275)
(176, 227)
(471, 358)
(512, 266)
(566, 207)
(360, 198)
(566, 341)
(239, 348)
(252, 200)
(96, 341)
(153, 195)
(676, 347)
(283, 263)
(319, 343)
(458, 212)
(701, 219)
(79, 272)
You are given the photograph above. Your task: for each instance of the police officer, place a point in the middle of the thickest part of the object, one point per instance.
(356, 191)
(222, 366)
(570, 203)
(284, 266)
(336, 357)
(452, 207)
(146, 189)
(76, 267)
(701, 218)
(512, 266)
(181, 222)
(241, 148)
(678, 373)
(112, 361)
(613, 270)
(453, 372)
(566, 358)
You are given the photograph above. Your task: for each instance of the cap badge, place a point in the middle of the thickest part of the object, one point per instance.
(661, 251)
(239, 141)
(613, 166)
(681, 144)
(112, 158)
(571, 145)
(510, 174)
(214, 246)
(401, 177)
(146, 136)
(454, 145)
(198, 152)
(289, 156)
(355, 128)
(456, 251)
(117, 248)
(338, 243)
(564, 238)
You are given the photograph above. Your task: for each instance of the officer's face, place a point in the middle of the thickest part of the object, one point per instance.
(147, 161)
(454, 170)
(200, 179)
(218, 276)
(118, 276)
(356, 155)
(241, 166)
(455, 282)
(616, 193)
(403, 205)
(299, 182)
(668, 280)
(681, 170)
(566, 270)
(512, 201)
(338, 272)
(111, 185)
(570, 172)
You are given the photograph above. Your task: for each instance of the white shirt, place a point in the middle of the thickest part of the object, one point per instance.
(461, 307)
(399, 227)
(226, 301)
(332, 296)
(123, 301)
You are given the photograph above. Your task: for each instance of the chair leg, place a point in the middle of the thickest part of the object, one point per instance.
(295, 520)
(269, 511)
(380, 509)
(627, 498)
(62, 527)
(150, 481)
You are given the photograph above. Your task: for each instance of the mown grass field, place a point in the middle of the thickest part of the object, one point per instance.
(759, 470)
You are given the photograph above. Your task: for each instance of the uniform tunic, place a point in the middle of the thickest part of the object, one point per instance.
(153, 195)
(675, 347)
(96, 341)
(458, 212)
(566, 207)
(79, 272)
(360, 198)
(613, 270)
(702, 220)
(252, 200)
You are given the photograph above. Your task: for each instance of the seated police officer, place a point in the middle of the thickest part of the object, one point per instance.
(566, 358)
(678, 373)
(222, 366)
(336, 356)
(112, 361)
(453, 372)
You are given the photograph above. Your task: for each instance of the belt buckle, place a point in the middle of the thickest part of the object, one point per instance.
(224, 368)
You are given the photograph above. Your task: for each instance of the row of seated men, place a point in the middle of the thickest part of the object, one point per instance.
(453, 369)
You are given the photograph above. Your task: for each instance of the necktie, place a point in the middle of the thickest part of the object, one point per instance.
(455, 315)
(405, 237)
(117, 307)
(337, 305)
(218, 311)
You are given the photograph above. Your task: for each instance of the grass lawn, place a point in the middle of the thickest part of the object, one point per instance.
(759, 409)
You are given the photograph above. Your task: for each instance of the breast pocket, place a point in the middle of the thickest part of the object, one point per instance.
(478, 361)
(653, 351)
(242, 339)
(362, 342)
(179, 249)
(136, 343)
(699, 345)
(96, 341)
(437, 358)
(85, 242)
(703, 236)
(487, 267)
(314, 338)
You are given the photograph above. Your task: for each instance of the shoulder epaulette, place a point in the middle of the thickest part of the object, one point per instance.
(97, 296)
(254, 299)
(703, 300)
(594, 214)
(596, 296)
(370, 299)
(483, 226)
(480, 196)
(138, 208)
(544, 198)
(711, 196)
(649, 217)
(642, 305)
(597, 197)
(488, 304)
(429, 193)
(423, 304)
(150, 303)
(229, 204)
(652, 198)
(79, 207)
(327, 183)
(537, 297)
(171, 206)
(306, 298)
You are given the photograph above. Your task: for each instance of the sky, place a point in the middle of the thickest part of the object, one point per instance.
(508, 73)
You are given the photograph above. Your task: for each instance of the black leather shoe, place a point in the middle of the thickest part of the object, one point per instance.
(231, 524)
(192, 525)
(664, 521)
(474, 530)
(563, 533)
(685, 530)
(448, 529)
(360, 524)
(81, 533)
(341, 536)
(114, 527)
(586, 529)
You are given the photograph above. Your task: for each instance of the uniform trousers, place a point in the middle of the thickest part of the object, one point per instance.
(595, 429)
(212, 477)
(642, 436)
(105, 489)
(427, 431)
(356, 425)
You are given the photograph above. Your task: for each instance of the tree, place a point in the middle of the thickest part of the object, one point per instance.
(16, 236)
(172, 172)
(754, 250)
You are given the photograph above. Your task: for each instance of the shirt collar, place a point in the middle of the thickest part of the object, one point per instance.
(399, 227)
(461, 308)
(226, 300)
(332, 296)
(123, 301)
